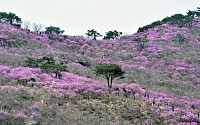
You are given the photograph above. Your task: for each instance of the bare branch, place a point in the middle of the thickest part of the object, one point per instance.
(37, 27)
(26, 25)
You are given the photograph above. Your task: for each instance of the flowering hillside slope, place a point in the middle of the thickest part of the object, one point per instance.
(164, 74)
(78, 89)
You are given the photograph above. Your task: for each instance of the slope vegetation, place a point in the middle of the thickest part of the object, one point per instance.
(163, 72)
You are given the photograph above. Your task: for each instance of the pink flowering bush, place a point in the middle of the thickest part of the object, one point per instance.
(161, 84)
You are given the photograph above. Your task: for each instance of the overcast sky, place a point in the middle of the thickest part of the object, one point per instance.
(78, 16)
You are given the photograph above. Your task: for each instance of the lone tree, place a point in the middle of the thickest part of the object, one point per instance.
(53, 29)
(92, 34)
(109, 72)
(54, 68)
(37, 27)
(47, 65)
(112, 35)
(26, 25)
(10, 18)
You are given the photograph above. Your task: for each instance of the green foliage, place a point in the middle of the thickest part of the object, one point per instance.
(181, 20)
(142, 29)
(11, 18)
(191, 13)
(109, 72)
(25, 81)
(53, 29)
(87, 64)
(180, 38)
(198, 12)
(32, 63)
(47, 65)
(112, 35)
(92, 34)
(54, 68)
(175, 17)
(194, 13)
(141, 43)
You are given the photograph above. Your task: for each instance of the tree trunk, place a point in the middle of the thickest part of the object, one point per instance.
(95, 38)
(111, 82)
(11, 21)
(108, 80)
(56, 75)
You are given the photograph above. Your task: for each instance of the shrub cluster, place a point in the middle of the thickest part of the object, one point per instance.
(25, 81)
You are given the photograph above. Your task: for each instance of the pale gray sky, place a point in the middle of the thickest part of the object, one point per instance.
(77, 16)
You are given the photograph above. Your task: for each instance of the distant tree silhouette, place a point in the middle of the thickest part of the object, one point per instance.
(37, 27)
(112, 35)
(26, 25)
(180, 19)
(10, 18)
(142, 29)
(92, 34)
(53, 29)
(198, 11)
(191, 13)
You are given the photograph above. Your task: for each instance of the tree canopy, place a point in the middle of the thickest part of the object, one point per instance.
(53, 29)
(93, 34)
(10, 18)
(112, 35)
(109, 72)
(47, 65)
(180, 19)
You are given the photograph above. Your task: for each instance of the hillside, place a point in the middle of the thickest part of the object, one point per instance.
(164, 73)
